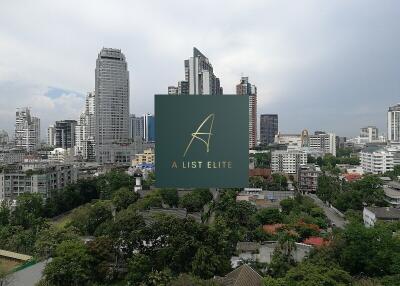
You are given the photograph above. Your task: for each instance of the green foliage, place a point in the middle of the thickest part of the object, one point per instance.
(376, 250)
(139, 267)
(257, 182)
(307, 274)
(71, 265)
(262, 160)
(196, 200)
(170, 197)
(124, 197)
(355, 195)
(268, 216)
(89, 217)
(112, 181)
(205, 262)
(50, 237)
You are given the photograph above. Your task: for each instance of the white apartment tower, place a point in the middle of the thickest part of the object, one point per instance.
(111, 103)
(369, 133)
(393, 123)
(288, 161)
(27, 130)
(250, 90)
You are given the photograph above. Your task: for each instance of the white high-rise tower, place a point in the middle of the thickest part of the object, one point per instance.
(111, 104)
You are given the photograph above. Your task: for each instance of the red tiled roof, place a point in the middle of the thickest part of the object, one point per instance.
(262, 172)
(272, 228)
(315, 241)
(352, 177)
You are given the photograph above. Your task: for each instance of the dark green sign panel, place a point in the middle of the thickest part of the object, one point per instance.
(202, 141)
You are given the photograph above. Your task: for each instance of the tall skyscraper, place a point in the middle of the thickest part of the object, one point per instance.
(246, 88)
(51, 135)
(149, 127)
(393, 123)
(27, 130)
(64, 134)
(199, 77)
(142, 128)
(111, 104)
(268, 128)
(85, 130)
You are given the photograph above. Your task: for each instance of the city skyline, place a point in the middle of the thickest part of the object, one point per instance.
(312, 73)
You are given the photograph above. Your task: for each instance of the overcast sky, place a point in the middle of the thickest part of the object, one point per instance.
(321, 65)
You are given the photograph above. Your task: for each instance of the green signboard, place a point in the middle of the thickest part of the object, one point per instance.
(202, 141)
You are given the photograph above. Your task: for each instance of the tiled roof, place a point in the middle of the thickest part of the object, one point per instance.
(385, 213)
(315, 241)
(242, 276)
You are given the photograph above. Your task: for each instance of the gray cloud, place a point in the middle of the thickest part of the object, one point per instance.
(330, 65)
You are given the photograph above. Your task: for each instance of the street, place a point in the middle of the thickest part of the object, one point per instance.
(330, 213)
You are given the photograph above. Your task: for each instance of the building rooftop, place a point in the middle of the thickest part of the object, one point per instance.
(394, 185)
(385, 213)
(244, 275)
(391, 193)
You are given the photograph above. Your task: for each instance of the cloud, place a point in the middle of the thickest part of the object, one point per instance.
(316, 64)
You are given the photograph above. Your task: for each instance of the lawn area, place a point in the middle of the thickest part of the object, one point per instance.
(62, 220)
(7, 265)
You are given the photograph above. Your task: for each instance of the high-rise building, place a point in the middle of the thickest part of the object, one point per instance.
(85, 130)
(393, 123)
(199, 77)
(370, 133)
(323, 142)
(64, 134)
(27, 130)
(136, 127)
(111, 105)
(288, 161)
(173, 90)
(149, 127)
(3, 137)
(268, 128)
(376, 160)
(247, 89)
(51, 135)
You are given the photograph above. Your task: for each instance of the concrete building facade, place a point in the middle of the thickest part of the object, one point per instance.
(111, 104)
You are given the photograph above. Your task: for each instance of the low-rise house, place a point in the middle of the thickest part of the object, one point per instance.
(263, 252)
(241, 276)
(373, 214)
(263, 199)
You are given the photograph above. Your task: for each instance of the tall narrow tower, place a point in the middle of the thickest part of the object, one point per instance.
(245, 88)
(27, 130)
(111, 103)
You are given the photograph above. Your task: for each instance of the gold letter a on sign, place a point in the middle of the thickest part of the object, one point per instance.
(198, 134)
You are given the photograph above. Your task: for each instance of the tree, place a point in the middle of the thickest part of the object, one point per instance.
(112, 181)
(376, 250)
(307, 274)
(139, 267)
(71, 265)
(28, 211)
(268, 216)
(196, 200)
(51, 236)
(170, 197)
(257, 182)
(104, 262)
(124, 197)
(205, 263)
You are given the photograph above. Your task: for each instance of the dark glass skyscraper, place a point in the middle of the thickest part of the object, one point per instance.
(268, 128)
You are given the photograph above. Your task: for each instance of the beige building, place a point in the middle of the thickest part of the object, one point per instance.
(147, 157)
